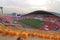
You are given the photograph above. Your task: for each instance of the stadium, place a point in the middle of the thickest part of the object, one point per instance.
(38, 24)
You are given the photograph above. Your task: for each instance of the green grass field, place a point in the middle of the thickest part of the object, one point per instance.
(32, 22)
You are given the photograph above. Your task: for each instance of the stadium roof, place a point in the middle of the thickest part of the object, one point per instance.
(44, 12)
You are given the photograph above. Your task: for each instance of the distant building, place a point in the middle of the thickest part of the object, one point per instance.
(18, 15)
(14, 14)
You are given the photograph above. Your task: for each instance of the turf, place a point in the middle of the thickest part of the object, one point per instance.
(32, 22)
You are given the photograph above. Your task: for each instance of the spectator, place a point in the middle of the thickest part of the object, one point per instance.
(19, 38)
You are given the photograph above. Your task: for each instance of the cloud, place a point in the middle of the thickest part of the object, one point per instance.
(22, 6)
(54, 5)
(17, 6)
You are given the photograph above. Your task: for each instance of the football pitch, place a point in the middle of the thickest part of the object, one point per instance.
(32, 22)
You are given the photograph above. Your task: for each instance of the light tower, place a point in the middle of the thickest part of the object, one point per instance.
(1, 9)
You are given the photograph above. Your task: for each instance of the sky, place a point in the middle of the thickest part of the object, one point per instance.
(26, 6)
